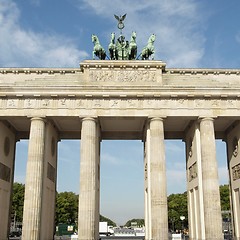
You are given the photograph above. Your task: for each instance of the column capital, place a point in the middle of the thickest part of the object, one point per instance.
(42, 118)
(206, 118)
(90, 118)
(156, 118)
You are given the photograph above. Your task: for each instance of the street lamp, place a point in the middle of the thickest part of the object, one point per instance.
(182, 218)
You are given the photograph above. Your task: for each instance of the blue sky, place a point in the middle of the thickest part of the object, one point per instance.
(57, 33)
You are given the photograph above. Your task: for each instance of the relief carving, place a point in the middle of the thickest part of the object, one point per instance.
(101, 76)
(236, 172)
(192, 172)
(114, 103)
(45, 102)
(122, 76)
(12, 103)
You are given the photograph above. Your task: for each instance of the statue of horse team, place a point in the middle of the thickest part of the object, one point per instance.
(122, 49)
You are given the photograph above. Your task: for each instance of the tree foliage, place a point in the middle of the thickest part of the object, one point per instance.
(225, 197)
(66, 208)
(18, 201)
(140, 222)
(177, 206)
(109, 221)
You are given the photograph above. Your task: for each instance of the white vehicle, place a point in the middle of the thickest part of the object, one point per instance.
(104, 229)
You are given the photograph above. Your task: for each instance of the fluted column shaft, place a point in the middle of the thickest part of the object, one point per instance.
(34, 181)
(159, 211)
(211, 195)
(88, 219)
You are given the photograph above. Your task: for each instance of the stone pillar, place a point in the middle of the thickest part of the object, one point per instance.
(88, 214)
(194, 183)
(155, 167)
(7, 156)
(34, 181)
(49, 183)
(233, 154)
(211, 195)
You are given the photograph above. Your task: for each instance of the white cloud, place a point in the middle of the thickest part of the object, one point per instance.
(177, 25)
(108, 158)
(19, 47)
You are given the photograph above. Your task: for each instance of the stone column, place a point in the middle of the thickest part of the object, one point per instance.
(88, 215)
(211, 195)
(194, 182)
(34, 181)
(157, 189)
(49, 183)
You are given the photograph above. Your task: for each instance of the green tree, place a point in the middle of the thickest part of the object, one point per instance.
(109, 221)
(177, 206)
(140, 222)
(225, 198)
(66, 208)
(17, 201)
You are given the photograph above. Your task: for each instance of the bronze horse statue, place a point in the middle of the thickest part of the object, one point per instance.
(133, 47)
(98, 50)
(149, 49)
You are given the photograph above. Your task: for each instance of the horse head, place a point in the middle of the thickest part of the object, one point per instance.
(94, 38)
(152, 38)
(113, 37)
(134, 35)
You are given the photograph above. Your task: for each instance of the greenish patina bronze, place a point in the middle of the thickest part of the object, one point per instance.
(121, 49)
(149, 50)
(98, 50)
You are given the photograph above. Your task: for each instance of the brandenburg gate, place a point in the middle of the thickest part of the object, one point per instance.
(120, 100)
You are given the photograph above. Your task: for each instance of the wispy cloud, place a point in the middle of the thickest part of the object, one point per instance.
(19, 47)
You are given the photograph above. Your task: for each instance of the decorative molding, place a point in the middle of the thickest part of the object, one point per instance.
(106, 102)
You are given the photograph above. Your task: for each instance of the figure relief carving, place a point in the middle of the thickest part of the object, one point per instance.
(122, 76)
(62, 102)
(28, 103)
(101, 76)
(45, 102)
(79, 103)
(12, 103)
(114, 103)
(97, 103)
(236, 172)
(199, 102)
(131, 103)
(192, 172)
